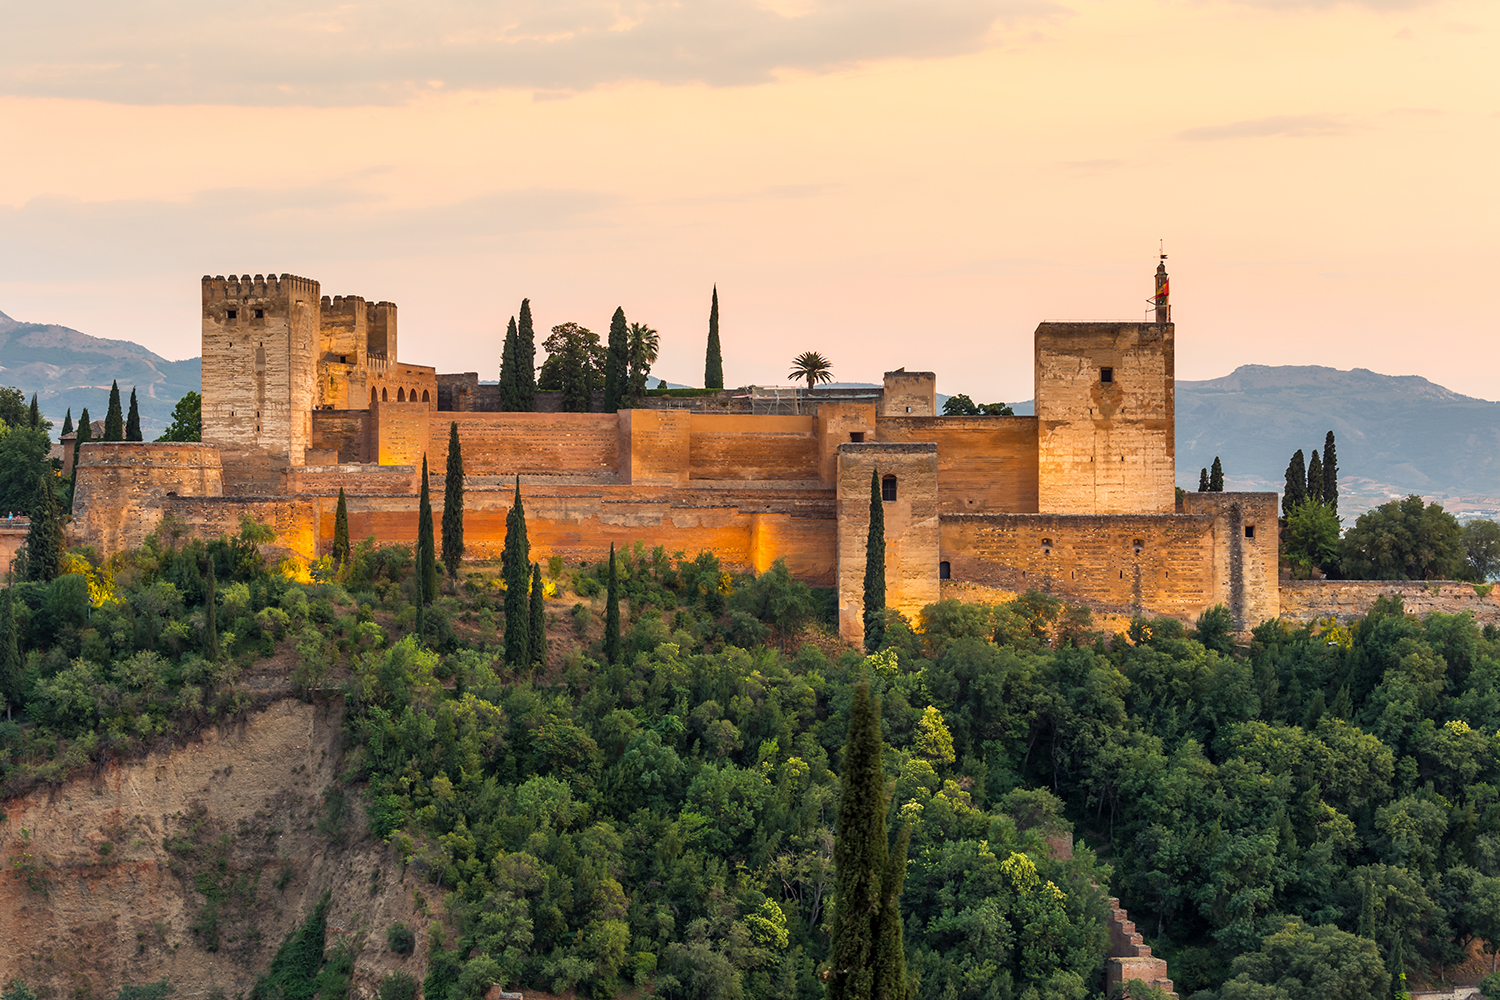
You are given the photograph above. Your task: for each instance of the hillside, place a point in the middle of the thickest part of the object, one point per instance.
(66, 368)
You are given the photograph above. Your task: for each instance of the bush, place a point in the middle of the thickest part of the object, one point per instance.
(403, 941)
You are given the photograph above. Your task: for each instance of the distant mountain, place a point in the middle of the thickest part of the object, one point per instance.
(66, 368)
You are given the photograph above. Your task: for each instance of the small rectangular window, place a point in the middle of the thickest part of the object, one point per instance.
(233, 314)
(1106, 375)
(1249, 531)
(260, 314)
(856, 436)
(945, 571)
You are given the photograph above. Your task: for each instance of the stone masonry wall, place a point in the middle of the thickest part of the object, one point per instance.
(1309, 600)
(986, 465)
(755, 448)
(123, 488)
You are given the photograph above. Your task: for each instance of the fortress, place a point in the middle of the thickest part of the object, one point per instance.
(304, 395)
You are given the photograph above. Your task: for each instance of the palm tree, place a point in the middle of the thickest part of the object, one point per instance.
(813, 367)
(644, 344)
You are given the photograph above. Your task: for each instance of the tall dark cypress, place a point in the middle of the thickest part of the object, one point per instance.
(10, 653)
(510, 379)
(45, 545)
(35, 416)
(1296, 485)
(67, 427)
(426, 547)
(617, 362)
(1216, 477)
(526, 359)
(84, 436)
(874, 616)
(453, 507)
(341, 530)
(114, 417)
(890, 950)
(516, 566)
(1330, 474)
(210, 613)
(538, 646)
(713, 364)
(612, 612)
(1202, 480)
(1315, 477)
(133, 420)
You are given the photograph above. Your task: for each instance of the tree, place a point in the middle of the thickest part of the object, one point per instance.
(526, 360)
(84, 436)
(341, 530)
(515, 565)
(1202, 480)
(1312, 538)
(1405, 540)
(427, 575)
(612, 612)
(538, 642)
(617, 362)
(13, 406)
(67, 427)
(812, 367)
(1330, 474)
(453, 507)
(874, 614)
(45, 544)
(961, 405)
(1310, 963)
(1315, 477)
(187, 419)
(510, 377)
(713, 362)
(574, 365)
(1481, 540)
(211, 612)
(34, 418)
(1216, 477)
(1296, 485)
(644, 345)
(10, 652)
(133, 421)
(114, 417)
(23, 459)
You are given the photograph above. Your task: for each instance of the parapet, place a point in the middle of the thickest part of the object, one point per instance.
(269, 286)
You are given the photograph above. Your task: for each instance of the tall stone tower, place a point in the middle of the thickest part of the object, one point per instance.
(260, 354)
(1105, 408)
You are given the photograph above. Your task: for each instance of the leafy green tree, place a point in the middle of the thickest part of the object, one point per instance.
(538, 644)
(1330, 473)
(45, 544)
(1216, 477)
(427, 574)
(612, 612)
(114, 417)
(1315, 478)
(1309, 963)
(23, 459)
(510, 378)
(811, 367)
(453, 507)
(645, 343)
(293, 974)
(1405, 540)
(10, 653)
(13, 407)
(574, 366)
(713, 363)
(617, 362)
(1481, 540)
(187, 419)
(526, 379)
(1296, 485)
(133, 421)
(1215, 629)
(1312, 538)
(341, 530)
(874, 612)
(961, 405)
(1203, 480)
(515, 565)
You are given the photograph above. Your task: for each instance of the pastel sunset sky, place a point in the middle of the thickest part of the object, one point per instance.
(892, 182)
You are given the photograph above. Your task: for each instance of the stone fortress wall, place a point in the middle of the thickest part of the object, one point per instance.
(304, 396)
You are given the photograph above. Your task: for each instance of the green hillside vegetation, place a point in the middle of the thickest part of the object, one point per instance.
(1320, 807)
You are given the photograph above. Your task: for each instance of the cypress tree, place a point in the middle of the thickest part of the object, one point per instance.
(35, 416)
(1202, 480)
(453, 507)
(516, 566)
(1330, 474)
(874, 617)
(617, 362)
(538, 617)
(67, 424)
(10, 653)
(426, 548)
(133, 421)
(612, 612)
(1315, 478)
(526, 360)
(510, 379)
(84, 436)
(713, 365)
(1296, 485)
(890, 950)
(45, 545)
(210, 613)
(114, 419)
(341, 530)
(1216, 477)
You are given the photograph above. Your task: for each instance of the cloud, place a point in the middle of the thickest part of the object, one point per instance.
(1296, 126)
(282, 52)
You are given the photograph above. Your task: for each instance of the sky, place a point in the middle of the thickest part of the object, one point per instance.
(893, 183)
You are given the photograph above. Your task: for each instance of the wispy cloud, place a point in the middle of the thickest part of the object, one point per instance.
(1295, 126)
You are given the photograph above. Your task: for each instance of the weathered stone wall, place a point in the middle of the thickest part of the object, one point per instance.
(660, 446)
(346, 432)
(354, 480)
(1105, 447)
(12, 536)
(123, 488)
(986, 465)
(750, 448)
(528, 444)
(1245, 552)
(841, 423)
(911, 529)
(909, 394)
(1130, 956)
(1309, 600)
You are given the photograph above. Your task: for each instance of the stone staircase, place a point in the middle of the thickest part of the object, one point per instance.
(1130, 957)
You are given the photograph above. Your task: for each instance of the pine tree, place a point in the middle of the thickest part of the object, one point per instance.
(426, 548)
(538, 617)
(10, 653)
(45, 545)
(510, 379)
(453, 507)
(35, 416)
(713, 365)
(341, 530)
(84, 436)
(1330, 474)
(133, 421)
(114, 418)
(526, 359)
(1202, 480)
(67, 427)
(211, 612)
(1216, 477)
(617, 362)
(1296, 485)
(874, 616)
(1315, 477)
(612, 612)
(516, 566)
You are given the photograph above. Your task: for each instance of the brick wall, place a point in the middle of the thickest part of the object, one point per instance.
(660, 444)
(742, 447)
(986, 465)
(506, 444)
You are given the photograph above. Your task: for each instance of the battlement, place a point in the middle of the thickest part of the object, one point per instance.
(269, 286)
(342, 303)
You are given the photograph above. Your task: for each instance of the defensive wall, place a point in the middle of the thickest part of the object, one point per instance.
(1310, 600)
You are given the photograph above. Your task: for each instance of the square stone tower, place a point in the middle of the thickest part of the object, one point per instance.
(1105, 407)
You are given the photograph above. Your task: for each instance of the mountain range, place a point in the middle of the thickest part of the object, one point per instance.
(1396, 434)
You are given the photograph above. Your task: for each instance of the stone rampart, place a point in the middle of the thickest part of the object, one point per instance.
(986, 465)
(346, 432)
(13, 533)
(1309, 600)
(528, 444)
(354, 480)
(122, 488)
(736, 447)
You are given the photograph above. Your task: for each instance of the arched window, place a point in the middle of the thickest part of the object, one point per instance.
(888, 488)
(424, 396)
(945, 572)
(382, 395)
(373, 397)
(401, 395)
